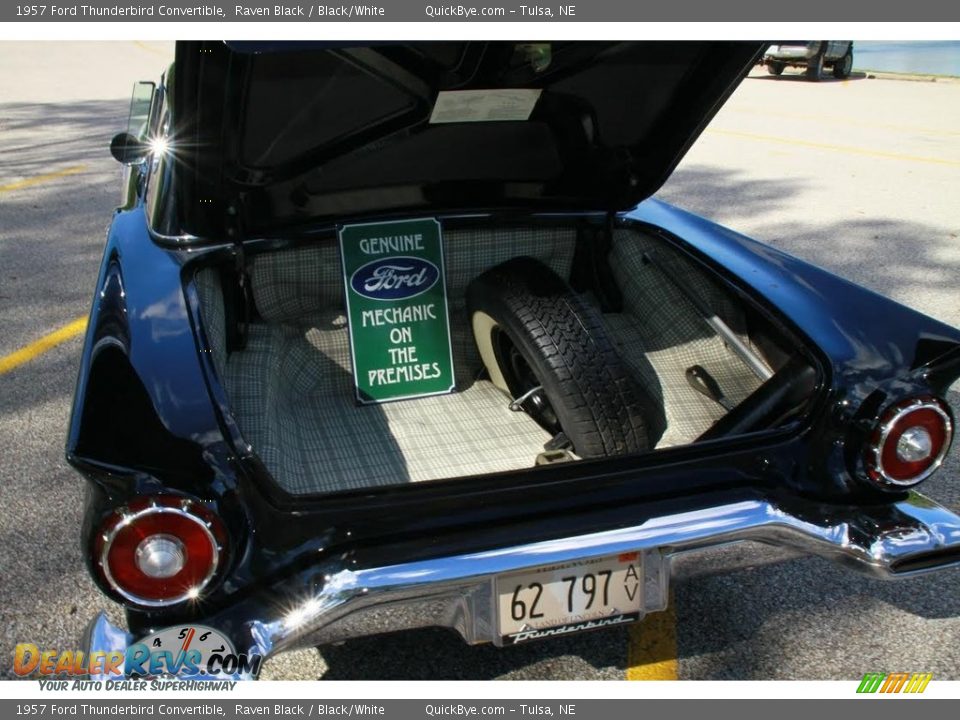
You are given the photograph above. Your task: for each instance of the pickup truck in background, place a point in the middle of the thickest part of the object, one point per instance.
(814, 56)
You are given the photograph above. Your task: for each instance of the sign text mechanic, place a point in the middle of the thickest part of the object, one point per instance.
(397, 309)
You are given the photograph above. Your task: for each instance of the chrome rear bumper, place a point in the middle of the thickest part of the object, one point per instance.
(909, 537)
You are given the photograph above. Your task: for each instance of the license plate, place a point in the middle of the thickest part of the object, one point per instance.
(562, 599)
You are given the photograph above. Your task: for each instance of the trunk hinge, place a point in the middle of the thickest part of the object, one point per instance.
(607, 289)
(239, 310)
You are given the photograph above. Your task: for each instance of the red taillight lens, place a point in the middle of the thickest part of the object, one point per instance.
(909, 443)
(160, 550)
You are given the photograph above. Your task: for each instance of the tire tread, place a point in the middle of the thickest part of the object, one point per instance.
(602, 407)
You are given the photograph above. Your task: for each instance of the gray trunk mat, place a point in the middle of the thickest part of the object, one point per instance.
(292, 395)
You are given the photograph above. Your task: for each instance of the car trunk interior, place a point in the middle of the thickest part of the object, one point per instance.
(291, 392)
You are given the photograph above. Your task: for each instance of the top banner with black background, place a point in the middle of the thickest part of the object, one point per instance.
(861, 11)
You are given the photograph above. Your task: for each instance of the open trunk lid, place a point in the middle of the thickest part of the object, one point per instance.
(273, 135)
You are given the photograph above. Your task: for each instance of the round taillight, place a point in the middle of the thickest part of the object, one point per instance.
(909, 443)
(160, 550)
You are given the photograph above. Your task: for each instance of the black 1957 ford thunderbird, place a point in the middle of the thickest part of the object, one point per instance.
(391, 336)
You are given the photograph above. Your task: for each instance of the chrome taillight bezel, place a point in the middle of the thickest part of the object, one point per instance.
(889, 421)
(137, 509)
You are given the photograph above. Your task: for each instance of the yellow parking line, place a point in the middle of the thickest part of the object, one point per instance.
(652, 650)
(835, 148)
(38, 347)
(37, 179)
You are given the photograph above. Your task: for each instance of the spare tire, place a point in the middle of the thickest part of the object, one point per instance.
(533, 330)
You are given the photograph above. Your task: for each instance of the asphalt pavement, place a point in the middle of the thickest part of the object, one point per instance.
(859, 176)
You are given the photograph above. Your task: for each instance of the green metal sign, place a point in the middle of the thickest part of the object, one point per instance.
(393, 273)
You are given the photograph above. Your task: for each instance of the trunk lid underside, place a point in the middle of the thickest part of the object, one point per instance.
(276, 135)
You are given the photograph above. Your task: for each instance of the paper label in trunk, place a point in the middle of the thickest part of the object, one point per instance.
(396, 296)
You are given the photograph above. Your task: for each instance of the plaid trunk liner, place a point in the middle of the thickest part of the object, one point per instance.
(291, 390)
(292, 393)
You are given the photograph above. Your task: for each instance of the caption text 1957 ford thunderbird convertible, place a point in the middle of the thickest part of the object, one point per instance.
(391, 336)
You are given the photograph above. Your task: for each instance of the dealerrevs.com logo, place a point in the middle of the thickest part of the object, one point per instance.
(899, 682)
(196, 653)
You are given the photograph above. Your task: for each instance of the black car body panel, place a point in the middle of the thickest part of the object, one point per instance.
(144, 320)
(151, 417)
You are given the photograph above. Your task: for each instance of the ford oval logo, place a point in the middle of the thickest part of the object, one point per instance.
(395, 278)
